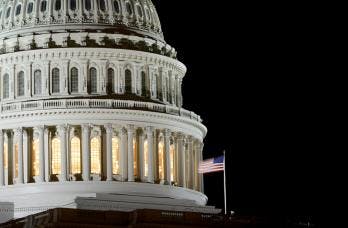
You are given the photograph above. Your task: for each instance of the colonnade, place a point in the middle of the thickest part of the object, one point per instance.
(106, 152)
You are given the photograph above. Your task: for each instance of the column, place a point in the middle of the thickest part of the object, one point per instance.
(182, 161)
(25, 156)
(141, 156)
(46, 150)
(190, 163)
(19, 135)
(62, 131)
(40, 131)
(123, 155)
(2, 168)
(167, 175)
(196, 161)
(201, 179)
(86, 159)
(149, 135)
(130, 153)
(109, 133)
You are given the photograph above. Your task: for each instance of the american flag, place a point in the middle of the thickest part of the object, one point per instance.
(212, 165)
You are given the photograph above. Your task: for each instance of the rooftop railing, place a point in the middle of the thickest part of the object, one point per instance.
(95, 103)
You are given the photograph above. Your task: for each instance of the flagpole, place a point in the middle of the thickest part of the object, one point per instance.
(225, 195)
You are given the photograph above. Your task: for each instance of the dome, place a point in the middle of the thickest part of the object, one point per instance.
(91, 102)
(115, 16)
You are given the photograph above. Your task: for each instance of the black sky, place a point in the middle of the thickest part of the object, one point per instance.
(255, 105)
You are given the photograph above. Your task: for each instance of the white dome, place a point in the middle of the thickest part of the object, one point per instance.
(135, 17)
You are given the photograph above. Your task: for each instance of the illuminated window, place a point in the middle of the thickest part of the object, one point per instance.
(16, 159)
(115, 156)
(146, 161)
(95, 156)
(75, 153)
(5, 155)
(135, 154)
(172, 157)
(56, 156)
(35, 158)
(161, 159)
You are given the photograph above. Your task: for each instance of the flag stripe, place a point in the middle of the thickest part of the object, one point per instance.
(211, 165)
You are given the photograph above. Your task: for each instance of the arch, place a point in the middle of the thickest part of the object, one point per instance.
(55, 80)
(161, 159)
(111, 81)
(93, 79)
(115, 155)
(74, 80)
(37, 82)
(55, 156)
(75, 155)
(6, 86)
(35, 159)
(128, 81)
(95, 155)
(20, 84)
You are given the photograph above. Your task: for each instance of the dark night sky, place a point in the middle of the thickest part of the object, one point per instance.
(255, 105)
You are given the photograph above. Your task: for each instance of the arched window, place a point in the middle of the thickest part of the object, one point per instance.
(102, 5)
(140, 11)
(129, 8)
(35, 158)
(75, 156)
(116, 6)
(37, 82)
(55, 156)
(159, 89)
(72, 4)
(128, 81)
(74, 80)
(58, 5)
(88, 5)
(115, 156)
(43, 6)
(8, 13)
(146, 160)
(30, 7)
(111, 81)
(20, 84)
(18, 9)
(55, 80)
(93, 80)
(172, 162)
(95, 156)
(143, 83)
(161, 159)
(6, 86)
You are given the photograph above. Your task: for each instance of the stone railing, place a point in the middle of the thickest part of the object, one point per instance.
(95, 103)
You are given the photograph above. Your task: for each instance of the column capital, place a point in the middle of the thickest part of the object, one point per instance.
(18, 131)
(149, 130)
(167, 133)
(39, 128)
(130, 129)
(62, 129)
(85, 127)
(109, 128)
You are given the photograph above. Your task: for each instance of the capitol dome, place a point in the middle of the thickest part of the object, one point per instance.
(91, 103)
